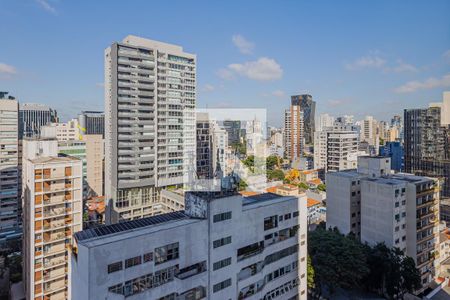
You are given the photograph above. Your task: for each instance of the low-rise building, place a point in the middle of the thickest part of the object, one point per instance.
(199, 253)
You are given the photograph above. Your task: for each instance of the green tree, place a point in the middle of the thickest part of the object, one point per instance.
(310, 274)
(271, 162)
(276, 174)
(322, 187)
(242, 185)
(249, 162)
(303, 185)
(339, 261)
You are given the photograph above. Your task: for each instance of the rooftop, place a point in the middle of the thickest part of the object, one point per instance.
(54, 159)
(260, 198)
(311, 202)
(128, 226)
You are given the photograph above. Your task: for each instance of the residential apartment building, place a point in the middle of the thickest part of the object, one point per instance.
(92, 122)
(325, 121)
(369, 133)
(150, 95)
(205, 167)
(403, 211)
(427, 142)
(299, 126)
(95, 153)
(10, 220)
(62, 131)
(52, 213)
(32, 116)
(344, 193)
(336, 148)
(161, 257)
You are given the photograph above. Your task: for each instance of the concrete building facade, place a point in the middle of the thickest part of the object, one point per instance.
(10, 204)
(162, 257)
(150, 95)
(52, 213)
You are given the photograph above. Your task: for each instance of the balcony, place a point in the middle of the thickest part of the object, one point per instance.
(53, 224)
(250, 250)
(50, 237)
(191, 270)
(54, 248)
(50, 262)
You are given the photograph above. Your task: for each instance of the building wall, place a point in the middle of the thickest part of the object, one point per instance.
(9, 171)
(95, 161)
(90, 265)
(52, 213)
(150, 131)
(344, 201)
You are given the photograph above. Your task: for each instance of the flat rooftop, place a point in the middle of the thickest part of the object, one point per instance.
(261, 198)
(53, 159)
(107, 230)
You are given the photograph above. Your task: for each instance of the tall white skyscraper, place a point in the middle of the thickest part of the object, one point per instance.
(9, 168)
(150, 95)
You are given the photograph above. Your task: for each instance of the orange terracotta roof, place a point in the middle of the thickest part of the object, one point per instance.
(306, 172)
(316, 181)
(248, 193)
(311, 202)
(272, 189)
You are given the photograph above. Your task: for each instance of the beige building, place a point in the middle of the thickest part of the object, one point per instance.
(62, 131)
(94, 163)
(52, 213)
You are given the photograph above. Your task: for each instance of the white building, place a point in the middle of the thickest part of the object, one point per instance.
(52, 213)
(336, 148)
(62, 131)
(325, 120)
(150, 96)
(9, 169)
(400, 210)
(370, 133)
(199, 253)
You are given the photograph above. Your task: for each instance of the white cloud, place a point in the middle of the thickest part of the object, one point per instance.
(402, 67)
(429, 83)
(244, 46)
(208, 88)
(7, 71)
(446, 55)
(225, 74)
(46, 6)
(369, 61)
(263, 69)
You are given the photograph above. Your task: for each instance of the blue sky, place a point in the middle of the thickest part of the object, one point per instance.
(353, 57)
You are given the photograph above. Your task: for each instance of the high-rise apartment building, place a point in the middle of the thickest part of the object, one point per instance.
(400, 210)
(92, 122)
(395, 151)
(336, 148)
(299, 126)
(403, 211)
(32, 116)
(205, 167)
(427, 142)
(52, 213)
(325, 120)
(161, 257)
(370, 134)
(95, 152)
(62, 131)
(233, 129)
(10, 219)
(150, 95)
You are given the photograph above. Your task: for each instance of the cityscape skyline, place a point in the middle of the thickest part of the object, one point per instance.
(364, 72)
